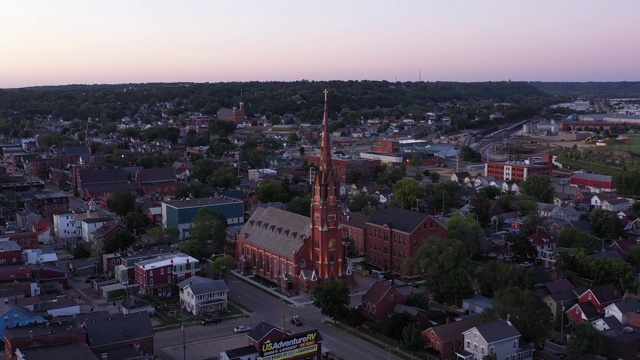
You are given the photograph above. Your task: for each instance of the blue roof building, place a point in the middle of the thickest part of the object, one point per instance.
(180, 213)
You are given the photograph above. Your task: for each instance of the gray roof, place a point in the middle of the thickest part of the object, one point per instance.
(199, 202)
(628, 305)
(97, 189)
(497, 330)
(9, 246)
(129, 327)
(278, 231)
(398, 219)
(588, 176)
(102, 176)
(78, 350)
(201, 285)
(76, 150)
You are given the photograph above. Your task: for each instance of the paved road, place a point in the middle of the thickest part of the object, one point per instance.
(204, 342)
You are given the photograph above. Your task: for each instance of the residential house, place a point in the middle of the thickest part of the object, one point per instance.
(88, 226)
(591, 303)
(48, 204)
(101, 234)
(477, 303)
(384, 195)
(615, 205)
(122, 264)
(182, 170)
(68, 225)
(80, 350)
(462, 177)
(381, 297)
(10, 253)
(499, 337)
(621, 343)
(158, 276)
(620, 309)
(597, 199)
(482, 181)
(543, 243)
(447, 338)
(13, 315)
(201, 295)
(545, 210)
(569, 214)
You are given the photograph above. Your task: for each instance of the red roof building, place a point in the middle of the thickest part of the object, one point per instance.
(519, 170)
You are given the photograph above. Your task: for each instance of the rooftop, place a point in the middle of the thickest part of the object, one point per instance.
(187, 203)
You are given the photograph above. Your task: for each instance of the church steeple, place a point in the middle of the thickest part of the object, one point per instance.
(327, 252)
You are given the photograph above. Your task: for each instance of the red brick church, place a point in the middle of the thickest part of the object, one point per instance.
(292, 250)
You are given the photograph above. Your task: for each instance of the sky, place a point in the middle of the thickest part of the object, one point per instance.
(45, 42)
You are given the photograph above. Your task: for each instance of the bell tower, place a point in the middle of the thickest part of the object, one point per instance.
(327, 252)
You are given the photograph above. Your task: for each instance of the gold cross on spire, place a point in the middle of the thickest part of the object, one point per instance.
(326, 93)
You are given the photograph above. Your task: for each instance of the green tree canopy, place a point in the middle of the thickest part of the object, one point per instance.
(361, 201)
(412, 338)
(272, 191)
(442, 260)
(209, 225)
(194, 248)
(527, 311)
(332, 298)
(136, 222)
(575, 238)
(390, 175)
(538, 187)
(610, 271)
(353, 176)
(224, 177)
(301, 205)
(162, 235)
(585, 340)
(416, 161)
(407, 193)
(221, 267)
(498, 275)
(467, 229)
(121, 203)
(605, 224)
(202, 170)
(118, 241)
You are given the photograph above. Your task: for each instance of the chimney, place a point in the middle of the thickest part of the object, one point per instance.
(509, 319)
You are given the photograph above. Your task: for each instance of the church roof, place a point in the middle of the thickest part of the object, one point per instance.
(279, 231)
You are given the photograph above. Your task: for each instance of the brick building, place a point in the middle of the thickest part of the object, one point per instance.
(519, 170)
(593, 181)
(85, 178)
(366, 167)
(48, 204)
(159, 276)
(198, 123)
(236, 114)
(387, 146)
(354, 225)
(394, 235)
(49, 334)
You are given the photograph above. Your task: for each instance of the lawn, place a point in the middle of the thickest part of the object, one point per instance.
(631, 145)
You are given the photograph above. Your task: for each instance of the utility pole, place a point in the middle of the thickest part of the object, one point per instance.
(184, 345)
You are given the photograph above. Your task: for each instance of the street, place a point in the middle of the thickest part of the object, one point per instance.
(205, 342)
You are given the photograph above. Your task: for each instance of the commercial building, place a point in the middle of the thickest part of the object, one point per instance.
(341, 165)
(592, 181)
(180, 213)
(519, 170)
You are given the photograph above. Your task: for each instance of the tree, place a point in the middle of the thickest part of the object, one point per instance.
(498, 275)
(301, 205)
(585, 340)
(407, 193)
(81, 251)
(118, 241)
(136, 222)
(605, 224)
(412, 338)
(121, 203)
(449, 194)
(193, 190)
(332, 298)
(575, 238)
(202, 169)
(292, 139)
(417, 299)
(209, 225)
(272, 191)
(610, 271)
(353, 176)
(390, 175)
(437, 258)
(416, 161)
(361, 201)
(221, 267)
(468, 154)
(527, 311)
(539, 187)
(466, 229)
(162, 235)
(522, 247)
(481, 209)
(194, 248)
(224, 177)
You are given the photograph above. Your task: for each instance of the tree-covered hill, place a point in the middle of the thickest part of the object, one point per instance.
(365, 99)
(624, 89)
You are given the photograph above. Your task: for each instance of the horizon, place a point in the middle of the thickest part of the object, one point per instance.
(74, 42)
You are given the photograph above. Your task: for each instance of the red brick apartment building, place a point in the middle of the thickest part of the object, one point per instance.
(354, 225)
(366, 167)
(519, 170)
(48, 204)
(387, 146)
(394, 235)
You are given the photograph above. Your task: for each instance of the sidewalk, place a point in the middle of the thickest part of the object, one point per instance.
(359, 289)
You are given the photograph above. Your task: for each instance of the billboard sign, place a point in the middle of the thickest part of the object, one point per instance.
(291, 346)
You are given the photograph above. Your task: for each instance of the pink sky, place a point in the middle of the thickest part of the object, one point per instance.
(85, 42)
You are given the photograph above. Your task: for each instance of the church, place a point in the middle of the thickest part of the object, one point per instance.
(295, 251)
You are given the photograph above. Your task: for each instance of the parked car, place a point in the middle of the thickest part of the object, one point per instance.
(296, 321)
(526, 264)
(211, 320)
(93, 277)
(241, 329)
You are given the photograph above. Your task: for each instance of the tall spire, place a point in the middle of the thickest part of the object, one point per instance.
(325, 156)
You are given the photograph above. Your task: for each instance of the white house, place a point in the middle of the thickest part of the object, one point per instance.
(39, 256)
(88, 226)
(545, 210)
(615, 205)
(620, 309)
(499, 337)
(68, 225)
(597, 199)
(567, 214)
(201, 295)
